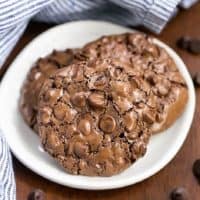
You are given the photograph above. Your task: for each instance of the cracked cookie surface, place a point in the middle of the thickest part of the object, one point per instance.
(160, 79)
(90, 118)
(136, 50)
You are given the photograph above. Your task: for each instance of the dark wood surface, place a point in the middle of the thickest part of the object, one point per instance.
(158, 187)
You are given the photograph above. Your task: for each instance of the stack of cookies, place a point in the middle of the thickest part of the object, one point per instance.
(95, 108)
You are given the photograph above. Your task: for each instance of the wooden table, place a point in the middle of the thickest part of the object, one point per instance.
(177, 173)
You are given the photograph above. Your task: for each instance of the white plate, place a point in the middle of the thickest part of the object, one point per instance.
(25, 144)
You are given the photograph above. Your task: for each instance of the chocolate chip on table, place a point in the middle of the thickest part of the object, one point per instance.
(190, 44)
(194, 46)
(179, 193)
(183, 42)
(196, 79)
(196, 169)
(36, 194)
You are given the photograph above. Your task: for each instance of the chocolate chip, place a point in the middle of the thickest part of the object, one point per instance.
(183, 42)
(190, 44)
(162, 89)
(80, 149)
(78, 100)
(149, 116)
(179, 193)
(194, 46)
(196, 169)
(36, 194)
(130, 121)
(53, 144)
(60, 111)
(45, 115)
(107, 123)
(84, 126)
(138, 148)
(97, 100)
(53, 94)
(196, 79)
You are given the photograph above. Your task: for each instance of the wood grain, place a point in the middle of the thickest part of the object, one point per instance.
(177, 173)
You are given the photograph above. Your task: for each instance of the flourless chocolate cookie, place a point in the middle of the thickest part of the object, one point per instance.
(35, 79)
(166, 88)
(125, 88)
(93, 117)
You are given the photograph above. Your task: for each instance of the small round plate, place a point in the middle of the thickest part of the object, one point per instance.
(26, 145)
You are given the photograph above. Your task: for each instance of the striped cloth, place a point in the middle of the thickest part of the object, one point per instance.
(7, 182)
(16, 14)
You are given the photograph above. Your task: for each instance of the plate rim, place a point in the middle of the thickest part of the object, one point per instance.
(117, 184)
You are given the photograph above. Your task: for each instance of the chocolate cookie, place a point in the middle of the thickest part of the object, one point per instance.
(35, 79)
(93, 117)
(168, 91)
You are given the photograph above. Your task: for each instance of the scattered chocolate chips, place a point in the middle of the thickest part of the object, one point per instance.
(196, 79)
(179, 193)
(183, 42)
(196, 169)
(190, 44)
(36, 194)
